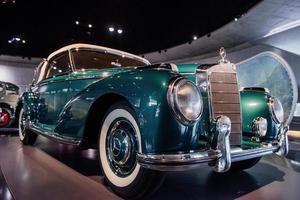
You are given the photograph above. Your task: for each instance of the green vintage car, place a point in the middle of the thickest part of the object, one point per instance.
(147, 119)
(9, 95)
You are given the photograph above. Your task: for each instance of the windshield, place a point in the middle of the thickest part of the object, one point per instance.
(1, 88)
(90, 60)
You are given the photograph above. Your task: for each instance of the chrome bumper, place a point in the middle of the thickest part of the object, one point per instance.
(219, 159)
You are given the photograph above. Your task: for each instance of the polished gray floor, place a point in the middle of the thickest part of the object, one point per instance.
(55, 171)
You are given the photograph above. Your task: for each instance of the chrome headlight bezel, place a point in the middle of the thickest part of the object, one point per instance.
(276, 109)
(172, 97)
(260, 126)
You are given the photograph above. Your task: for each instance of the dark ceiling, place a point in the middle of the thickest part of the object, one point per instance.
(147, 25)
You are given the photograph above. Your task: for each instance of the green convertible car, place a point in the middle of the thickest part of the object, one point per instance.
(147, 119)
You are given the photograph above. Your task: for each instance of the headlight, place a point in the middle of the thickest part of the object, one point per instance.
(185, 100)
(276, 109)
(260, 126)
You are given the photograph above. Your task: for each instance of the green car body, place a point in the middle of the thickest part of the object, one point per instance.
(69, 107)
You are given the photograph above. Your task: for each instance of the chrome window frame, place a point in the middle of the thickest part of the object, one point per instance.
(100, 51)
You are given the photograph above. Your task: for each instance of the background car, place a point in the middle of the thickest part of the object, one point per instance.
(146, 119)
(9, 95)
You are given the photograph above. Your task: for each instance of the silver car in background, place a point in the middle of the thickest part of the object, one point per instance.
(9, 94)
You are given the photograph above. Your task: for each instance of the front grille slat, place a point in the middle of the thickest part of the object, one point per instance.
(225, 100)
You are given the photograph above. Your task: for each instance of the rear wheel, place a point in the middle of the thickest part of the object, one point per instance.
(244, 164)
(27, 137)
(119, 141)
(5, 117)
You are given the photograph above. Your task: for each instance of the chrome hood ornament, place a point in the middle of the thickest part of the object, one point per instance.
(223, 60)
(222, 53)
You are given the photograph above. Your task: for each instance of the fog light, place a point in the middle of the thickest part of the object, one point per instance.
(223, 124)
(260, 126)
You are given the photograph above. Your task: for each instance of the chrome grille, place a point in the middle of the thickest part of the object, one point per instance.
(225, 100)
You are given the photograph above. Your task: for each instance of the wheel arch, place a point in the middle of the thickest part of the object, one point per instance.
(19, 106)
(95, 116)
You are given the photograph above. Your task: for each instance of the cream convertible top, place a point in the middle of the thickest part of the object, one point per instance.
(99, 48)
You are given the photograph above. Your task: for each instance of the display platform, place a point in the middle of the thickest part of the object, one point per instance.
(55, 171)
(32, 174)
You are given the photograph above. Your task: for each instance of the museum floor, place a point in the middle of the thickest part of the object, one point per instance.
(55, 171)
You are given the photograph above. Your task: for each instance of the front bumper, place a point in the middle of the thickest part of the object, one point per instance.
(219, 158)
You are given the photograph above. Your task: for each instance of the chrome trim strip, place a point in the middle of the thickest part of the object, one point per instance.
(54, 136)
(187, 73)
(194, 160)
(271, 109)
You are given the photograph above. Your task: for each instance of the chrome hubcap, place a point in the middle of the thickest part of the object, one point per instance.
(4, 117)
(121, 147)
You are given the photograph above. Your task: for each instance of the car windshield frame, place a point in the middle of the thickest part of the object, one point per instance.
(2, 86)
(9, 89)
(141, 62)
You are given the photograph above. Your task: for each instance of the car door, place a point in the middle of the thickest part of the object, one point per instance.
(52, 92)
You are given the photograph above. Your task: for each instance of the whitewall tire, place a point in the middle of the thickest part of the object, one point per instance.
(26, 136)
(119, 142)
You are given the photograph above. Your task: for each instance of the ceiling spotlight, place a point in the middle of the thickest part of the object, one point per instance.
(23, 41)
(111, 29)
(77, 22)
(195, 38)
(120, 31)
(17, 39)
(9, 41)
(235, 19)
(90, 25)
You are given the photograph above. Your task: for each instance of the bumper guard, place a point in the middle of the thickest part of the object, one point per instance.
(219, 156)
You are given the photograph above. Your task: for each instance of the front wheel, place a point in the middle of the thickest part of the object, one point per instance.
(26, 136)
(119, 141)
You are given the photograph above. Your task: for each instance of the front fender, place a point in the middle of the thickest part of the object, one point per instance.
(27, 101)
(145, 90)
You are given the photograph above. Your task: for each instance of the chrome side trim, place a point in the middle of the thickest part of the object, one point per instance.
(54, 136)
(195, 160)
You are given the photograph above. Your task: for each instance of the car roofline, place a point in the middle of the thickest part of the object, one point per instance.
(96, 47)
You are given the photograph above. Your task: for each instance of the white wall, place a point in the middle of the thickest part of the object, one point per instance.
(18, 70)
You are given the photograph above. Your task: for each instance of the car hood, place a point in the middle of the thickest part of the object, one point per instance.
(100, 73)
(187, 68)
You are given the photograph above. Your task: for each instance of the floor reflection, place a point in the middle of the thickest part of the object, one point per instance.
(4, 191)
(188, 185)
(199, 184)
(206, 184)
(85, 162)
